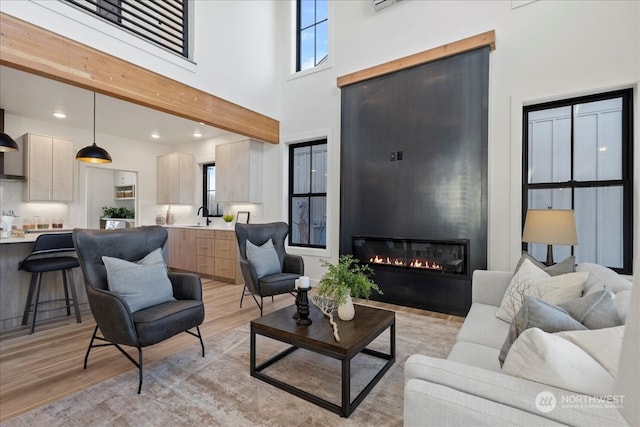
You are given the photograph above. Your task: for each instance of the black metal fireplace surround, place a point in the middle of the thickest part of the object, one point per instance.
(414, 175)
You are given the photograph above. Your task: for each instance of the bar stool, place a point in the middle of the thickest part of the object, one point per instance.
(40, 261)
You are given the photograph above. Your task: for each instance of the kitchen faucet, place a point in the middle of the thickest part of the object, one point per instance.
(205, 214)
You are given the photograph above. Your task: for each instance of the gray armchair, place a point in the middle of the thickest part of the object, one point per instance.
(291, 266)
(147, 326)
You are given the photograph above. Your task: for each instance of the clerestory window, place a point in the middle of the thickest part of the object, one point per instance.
(312, 28)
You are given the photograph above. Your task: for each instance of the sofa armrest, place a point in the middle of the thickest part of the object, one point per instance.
(494, 388)
(488, 286)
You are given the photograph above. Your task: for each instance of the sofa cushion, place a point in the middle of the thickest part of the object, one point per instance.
(567, 265)
(475, 355)
(622, 300)
(531, 280)
(599, 275)
(595, 311)
(483, 327)
(603, 345)
(141, 284)
(536, 313)
(550, 359)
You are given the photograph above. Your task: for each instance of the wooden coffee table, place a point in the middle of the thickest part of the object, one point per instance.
(355, 335)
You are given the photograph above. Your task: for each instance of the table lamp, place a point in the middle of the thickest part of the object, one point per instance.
(550, 227)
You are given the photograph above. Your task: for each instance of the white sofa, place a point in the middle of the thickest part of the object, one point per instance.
(469, 389)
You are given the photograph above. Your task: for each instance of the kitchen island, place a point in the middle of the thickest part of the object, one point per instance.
(14, 283)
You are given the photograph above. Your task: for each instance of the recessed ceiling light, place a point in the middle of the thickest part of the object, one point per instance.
(59, 115)
(197, 134)
(155, 136)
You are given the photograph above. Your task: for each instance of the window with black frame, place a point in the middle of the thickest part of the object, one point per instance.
(209, 190)
(312, 29)
(308, 194)
(578, 154)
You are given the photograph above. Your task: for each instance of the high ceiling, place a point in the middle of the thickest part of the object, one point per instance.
(28, 95)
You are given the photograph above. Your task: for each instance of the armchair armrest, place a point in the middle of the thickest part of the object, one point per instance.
(249, 276)
(112, 316)
(293, 264)
(186, 286)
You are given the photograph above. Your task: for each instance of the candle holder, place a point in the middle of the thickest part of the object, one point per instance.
(302, 304)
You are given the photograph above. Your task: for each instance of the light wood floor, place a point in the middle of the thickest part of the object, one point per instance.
(46, 366)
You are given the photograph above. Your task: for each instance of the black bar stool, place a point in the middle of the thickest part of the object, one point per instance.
(40, 261)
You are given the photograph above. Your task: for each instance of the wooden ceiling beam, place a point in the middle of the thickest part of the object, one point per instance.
(470, 43)
(38, 51)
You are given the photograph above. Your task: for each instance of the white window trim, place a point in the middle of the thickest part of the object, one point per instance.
(328, 64)
(332, 195)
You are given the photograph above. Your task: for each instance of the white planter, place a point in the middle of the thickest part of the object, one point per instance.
(346, 311)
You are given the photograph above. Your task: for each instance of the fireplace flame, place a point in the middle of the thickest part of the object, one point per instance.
(425, 264)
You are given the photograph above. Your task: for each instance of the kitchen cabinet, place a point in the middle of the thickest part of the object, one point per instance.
(175, 179)
(239, 172)
(182, 249)
(226, 256)
(205, 252)
(49, 165)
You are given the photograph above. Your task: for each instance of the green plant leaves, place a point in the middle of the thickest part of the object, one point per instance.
(347, 277)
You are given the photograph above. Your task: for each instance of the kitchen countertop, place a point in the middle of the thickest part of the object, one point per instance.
(31, 236)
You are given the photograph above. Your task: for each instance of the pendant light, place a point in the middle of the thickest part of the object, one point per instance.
(7, 143)
(93, 153)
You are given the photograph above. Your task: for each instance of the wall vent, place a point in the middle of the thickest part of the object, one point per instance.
(381, 4)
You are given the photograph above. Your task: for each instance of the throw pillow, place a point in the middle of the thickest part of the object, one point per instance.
(550, 359)
(264, 259)
(603, 345)
(531, 280)
(568, 265)
(622, 300)
(599, 275)
(141, 284)
(595, 311)
(536, 313)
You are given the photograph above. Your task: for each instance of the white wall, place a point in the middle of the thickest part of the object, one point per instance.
(544, 50)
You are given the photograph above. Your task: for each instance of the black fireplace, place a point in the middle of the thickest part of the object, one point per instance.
(421, 273)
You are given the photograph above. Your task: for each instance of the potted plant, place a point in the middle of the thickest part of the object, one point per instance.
(113, 212)
(228, 219)
(345, 280)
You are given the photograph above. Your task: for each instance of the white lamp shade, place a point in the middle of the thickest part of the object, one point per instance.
(550, 227)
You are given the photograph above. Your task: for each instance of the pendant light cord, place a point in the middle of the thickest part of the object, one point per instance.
(94, 118)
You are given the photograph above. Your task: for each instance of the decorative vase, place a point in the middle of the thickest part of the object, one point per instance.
(346, 311)
(229, 224)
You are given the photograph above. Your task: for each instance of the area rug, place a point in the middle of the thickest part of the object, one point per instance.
(186, 389)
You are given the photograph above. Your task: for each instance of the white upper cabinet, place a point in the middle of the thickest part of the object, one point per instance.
(49, 168)
(175, 179)
(239, 172)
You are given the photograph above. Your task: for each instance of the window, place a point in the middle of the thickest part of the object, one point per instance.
(209, 190)
(312, 25)
(308, 194)
(164, 23)
(577, 155)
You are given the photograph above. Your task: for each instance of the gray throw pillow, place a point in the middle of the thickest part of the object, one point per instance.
(264, 259)
(537, 313)
(595, 311)
(141, 284)
(567, 265)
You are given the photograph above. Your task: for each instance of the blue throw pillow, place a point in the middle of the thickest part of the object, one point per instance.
(264, 259)
(141, 284)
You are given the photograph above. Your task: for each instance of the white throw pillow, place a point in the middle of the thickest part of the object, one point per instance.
(599, 275)
(603, 345)
(550, 359)
(141, 284)
(532, 280)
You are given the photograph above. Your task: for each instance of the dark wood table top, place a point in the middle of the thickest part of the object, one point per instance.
(355, 334)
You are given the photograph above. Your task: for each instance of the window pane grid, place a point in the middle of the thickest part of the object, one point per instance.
(577, 156)
(311, 33)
